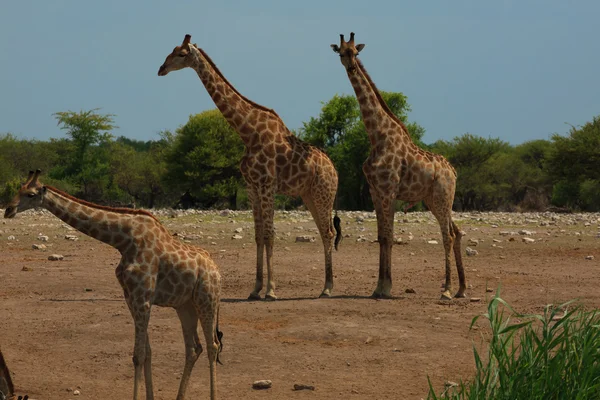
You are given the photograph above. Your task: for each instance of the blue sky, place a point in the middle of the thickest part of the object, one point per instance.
(517, 70)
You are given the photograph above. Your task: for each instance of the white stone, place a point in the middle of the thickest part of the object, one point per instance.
(38, 246)
(471, 252)
(71, 237)
(238, 230)
(528, 240)
(43, 238)
(473, 242)
(589, 257)
(11, 237)
(305, 239)
(237, 237)
(432, 242)
(55, 257)
(264, 384)
(525, 232)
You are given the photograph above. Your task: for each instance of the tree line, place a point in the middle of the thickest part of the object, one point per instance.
(197, 164)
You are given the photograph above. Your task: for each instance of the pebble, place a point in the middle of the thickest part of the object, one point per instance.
(71, 237)
(589, 257)
(55, 257)
(303, 387)
(410, 290)
(238, 230)
(38, 246)
(471, 252)
(305, 239)
(432, 242)
(528, 240)
(76, 392)
(11, 237)
(237, 237)
(475, 299)
(43, 238)
(264, 384)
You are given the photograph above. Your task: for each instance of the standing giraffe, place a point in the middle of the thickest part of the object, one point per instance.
(397, 169)
(155, 269)
(275, 162)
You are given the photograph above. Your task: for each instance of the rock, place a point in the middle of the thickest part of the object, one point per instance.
(303, 387)
(473, 242)
(43, 238)
(225, 213)
(589, 257)
(192, 237)
(496, 240)
(238, 230)
(475, 299)
(237, 237)
(525, 232)
(26, 268)
(368, 340)
(55, 257)
(412, 291)
(471, 252)
(264, 384)
(305, 239)
(489, 290)
(38, 246)
(76, 392)
(528, 240)
(71, 238)
(11, 237)
(432, 242)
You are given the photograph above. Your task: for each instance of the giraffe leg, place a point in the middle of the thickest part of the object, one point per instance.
(141, 319)
(259, 238)
(438, 208)
(269, 231)
(206, 300)
(322, 215)
(189, 325)
(459, 264)
(384, 209)
(148, 371)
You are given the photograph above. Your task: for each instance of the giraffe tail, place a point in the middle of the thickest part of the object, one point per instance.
(219, 336)
(337, 224)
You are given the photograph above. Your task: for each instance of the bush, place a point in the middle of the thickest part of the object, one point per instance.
(541, 357)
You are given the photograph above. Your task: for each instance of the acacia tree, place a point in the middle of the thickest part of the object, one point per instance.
(86, 161)
(339, 131)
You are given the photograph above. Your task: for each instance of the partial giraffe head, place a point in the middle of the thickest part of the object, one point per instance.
(348, 52)
(29, 196)
(178, 59)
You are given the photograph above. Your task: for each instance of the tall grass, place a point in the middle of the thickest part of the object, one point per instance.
(555, 355)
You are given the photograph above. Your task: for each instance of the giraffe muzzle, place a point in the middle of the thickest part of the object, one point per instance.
(10, 212)
(162, 70)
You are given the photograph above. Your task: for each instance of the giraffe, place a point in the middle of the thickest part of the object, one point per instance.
(275, 162)
(397, 169)
(155, 269)
(7, 389)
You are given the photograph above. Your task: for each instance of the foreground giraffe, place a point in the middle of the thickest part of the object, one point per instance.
(7, 390)
(275, 162)
(397, 169)
(155, 269)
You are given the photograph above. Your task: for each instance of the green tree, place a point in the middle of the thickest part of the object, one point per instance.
(204, 159)
(87, 150)
(340, 132)
(573, 164)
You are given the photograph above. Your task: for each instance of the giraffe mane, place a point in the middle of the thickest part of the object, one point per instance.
(382, 102)
(214, 66)
(119, 210)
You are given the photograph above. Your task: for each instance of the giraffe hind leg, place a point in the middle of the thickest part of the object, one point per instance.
(322, 215)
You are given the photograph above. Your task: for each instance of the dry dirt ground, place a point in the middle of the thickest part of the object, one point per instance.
(64, 325)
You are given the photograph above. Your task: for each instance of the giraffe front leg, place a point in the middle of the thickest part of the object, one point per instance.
(269, 231)
(384, 209)
(141, 318)
(259, 238)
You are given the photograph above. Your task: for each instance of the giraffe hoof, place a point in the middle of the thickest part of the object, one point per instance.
(254, 296)
(325, 293)
(460, 295)
(377, 295)
(270, 297)
(446, 295)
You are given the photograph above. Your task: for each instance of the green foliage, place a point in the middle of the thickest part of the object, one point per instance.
(204, 159)
(549, 356)
(573, 162)
(340, 132)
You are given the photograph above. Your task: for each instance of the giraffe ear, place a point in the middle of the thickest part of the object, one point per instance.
(359, 47)
(336, 48)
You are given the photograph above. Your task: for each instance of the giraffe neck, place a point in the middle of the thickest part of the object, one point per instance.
(378, 118)
(102, 224)
(241, 113)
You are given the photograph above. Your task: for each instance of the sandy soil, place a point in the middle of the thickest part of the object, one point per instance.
(64, 325)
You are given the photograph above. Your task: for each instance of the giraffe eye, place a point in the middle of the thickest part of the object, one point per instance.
(182, 54)
(30, 195)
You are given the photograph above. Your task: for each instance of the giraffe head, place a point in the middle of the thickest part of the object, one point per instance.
(179, 58)
(29, 196)
(348, 52)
